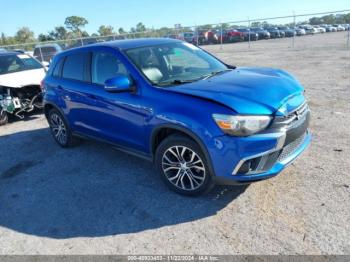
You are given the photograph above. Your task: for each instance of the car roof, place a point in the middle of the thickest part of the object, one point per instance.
(136, 43)
(124, 44)
(9, 53)
(49, 45)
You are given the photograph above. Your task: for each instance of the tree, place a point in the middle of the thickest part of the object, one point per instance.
(44, 38)
(347, 18)
(59, 33)
(265, 24)
(3, 39)
(225, 26)
(84, 34)
(328, 19)
(24, 35)
(105, 30)
(256, 24)
(140, 27)
(205, 27)
(315, 21)
(121, 31)
(75, 23)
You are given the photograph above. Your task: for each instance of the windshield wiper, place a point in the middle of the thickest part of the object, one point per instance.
(177, 82)
(215, 73)
(181, 82)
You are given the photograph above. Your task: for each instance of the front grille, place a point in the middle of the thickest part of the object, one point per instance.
(293, 117)
(290, 149)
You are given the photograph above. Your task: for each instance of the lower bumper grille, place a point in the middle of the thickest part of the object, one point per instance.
(290, 149)
(265, 162)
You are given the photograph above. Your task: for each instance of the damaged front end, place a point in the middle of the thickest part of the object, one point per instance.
(18, 101)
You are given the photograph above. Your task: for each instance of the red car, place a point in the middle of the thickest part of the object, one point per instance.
(229, 36)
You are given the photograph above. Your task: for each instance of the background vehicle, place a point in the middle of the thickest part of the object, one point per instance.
(229, 36)
(274, 32)
(300, 31)
(320, 29)
(248, 34)
(339, 27)
(330, 28)
(20, 78)
(132, 94)
(188, 37)
(262, 33)
(288, 32)
(309, 30)
(209, 37)
(44, 53)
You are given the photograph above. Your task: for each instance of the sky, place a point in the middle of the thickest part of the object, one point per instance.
(42, 16)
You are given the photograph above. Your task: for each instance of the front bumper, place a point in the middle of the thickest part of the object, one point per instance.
(249, 159)
(281, 163)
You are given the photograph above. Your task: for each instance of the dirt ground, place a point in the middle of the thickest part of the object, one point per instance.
(93, 199)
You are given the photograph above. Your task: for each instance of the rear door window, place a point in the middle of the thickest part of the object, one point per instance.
(75, 67)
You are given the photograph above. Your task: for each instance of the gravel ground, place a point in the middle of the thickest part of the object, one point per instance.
(93, 199)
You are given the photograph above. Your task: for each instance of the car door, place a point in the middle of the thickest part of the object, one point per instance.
(71, 87)
(116, 117)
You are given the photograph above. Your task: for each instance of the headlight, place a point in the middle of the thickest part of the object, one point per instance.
(241, 125)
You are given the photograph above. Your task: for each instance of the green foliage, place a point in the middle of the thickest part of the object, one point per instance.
(140, 27)
(105, 30)
(121, 31)
(24, 35)
(59, 33)
(75, 23)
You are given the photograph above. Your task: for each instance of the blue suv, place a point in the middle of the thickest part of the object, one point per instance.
(201, 121)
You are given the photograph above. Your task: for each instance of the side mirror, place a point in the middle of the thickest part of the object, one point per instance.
(118, 84)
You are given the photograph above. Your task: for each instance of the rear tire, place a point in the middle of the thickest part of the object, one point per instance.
(183, 166)
(60, 129)
(3, 117)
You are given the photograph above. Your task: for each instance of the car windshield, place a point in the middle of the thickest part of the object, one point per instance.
(15, 63)
(175, 63)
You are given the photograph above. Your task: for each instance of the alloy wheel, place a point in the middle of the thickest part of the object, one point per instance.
(183, 168)
(58, 128)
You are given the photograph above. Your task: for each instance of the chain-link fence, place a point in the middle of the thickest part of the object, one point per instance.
(249, 31)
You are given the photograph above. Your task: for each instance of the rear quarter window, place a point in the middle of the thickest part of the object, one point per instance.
(58, 68)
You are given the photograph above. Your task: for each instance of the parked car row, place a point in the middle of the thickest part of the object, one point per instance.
(212, 36)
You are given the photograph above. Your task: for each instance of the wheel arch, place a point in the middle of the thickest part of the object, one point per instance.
(50, 106)
(161, 132)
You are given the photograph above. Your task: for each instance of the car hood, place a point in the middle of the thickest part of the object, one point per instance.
(248, 90)
(22, 78)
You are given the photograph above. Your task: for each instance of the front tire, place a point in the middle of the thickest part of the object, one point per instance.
(182, 166)
(60, 129)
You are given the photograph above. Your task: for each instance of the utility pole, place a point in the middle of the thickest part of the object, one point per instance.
(221, 36)
(294, 30)
(249, 32)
